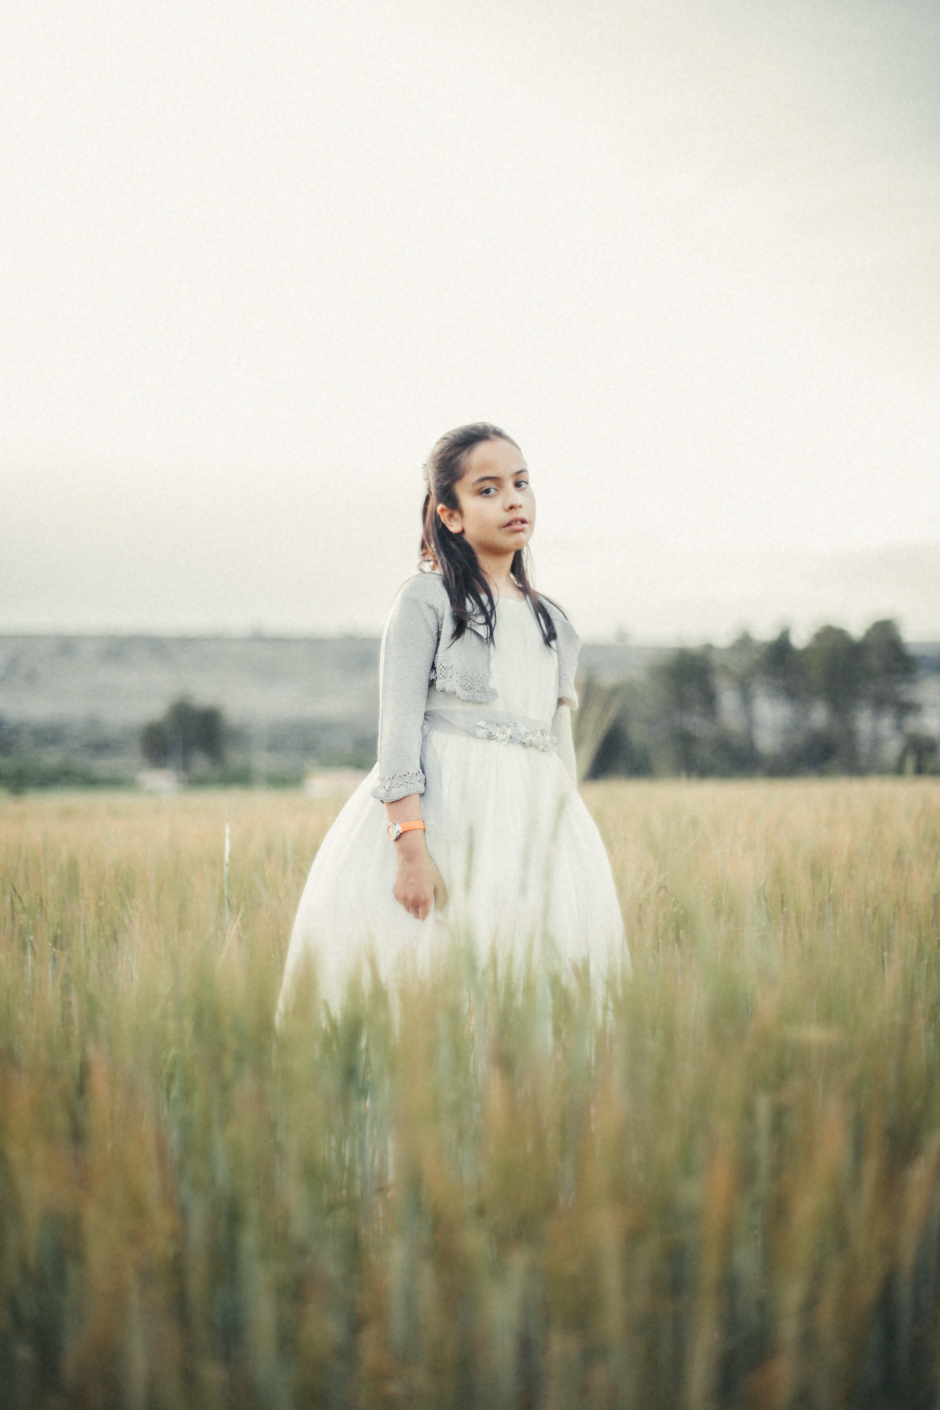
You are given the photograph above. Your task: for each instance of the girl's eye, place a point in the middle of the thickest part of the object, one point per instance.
(490, 490)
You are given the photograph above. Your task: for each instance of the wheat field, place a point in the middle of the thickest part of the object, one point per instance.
(717, 1185)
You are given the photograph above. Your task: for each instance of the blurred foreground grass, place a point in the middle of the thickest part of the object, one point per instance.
(719, 1188)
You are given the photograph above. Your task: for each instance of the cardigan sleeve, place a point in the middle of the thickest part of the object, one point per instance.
(409, 644)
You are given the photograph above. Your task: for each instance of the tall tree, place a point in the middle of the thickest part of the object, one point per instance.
(889, 670)
(683, 733)
(835, 672)
(184, 731)
(783, 672)
(740, 665)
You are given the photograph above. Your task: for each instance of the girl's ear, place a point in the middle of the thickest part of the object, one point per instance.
(450, 519)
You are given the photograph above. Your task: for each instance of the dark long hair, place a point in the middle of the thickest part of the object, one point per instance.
(450, 554)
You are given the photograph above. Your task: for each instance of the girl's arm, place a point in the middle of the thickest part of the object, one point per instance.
(418, 883)
(561, 728)
(409, 645)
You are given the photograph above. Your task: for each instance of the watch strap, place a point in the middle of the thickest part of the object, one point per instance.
(395, 830)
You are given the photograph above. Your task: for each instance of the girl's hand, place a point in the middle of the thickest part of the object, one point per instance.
(418, 883)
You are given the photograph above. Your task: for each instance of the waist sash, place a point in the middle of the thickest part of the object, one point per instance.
(501, 728)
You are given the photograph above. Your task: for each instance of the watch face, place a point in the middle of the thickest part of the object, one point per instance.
(394, 831)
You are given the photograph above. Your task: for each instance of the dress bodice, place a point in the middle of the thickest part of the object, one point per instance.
(523, 670)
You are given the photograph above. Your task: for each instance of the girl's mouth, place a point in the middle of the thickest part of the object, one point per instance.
(517, 524)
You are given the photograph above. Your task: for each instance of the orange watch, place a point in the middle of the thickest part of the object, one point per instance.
(395, 830)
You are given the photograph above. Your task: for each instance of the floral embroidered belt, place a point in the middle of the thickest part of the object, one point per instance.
(504, 729)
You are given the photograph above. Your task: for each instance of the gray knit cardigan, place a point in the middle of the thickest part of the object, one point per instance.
(418, 647)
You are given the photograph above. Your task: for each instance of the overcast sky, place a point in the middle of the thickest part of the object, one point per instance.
(258, 256)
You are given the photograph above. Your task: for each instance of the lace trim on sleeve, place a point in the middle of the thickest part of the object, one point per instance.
(466, 685)
(395, 786)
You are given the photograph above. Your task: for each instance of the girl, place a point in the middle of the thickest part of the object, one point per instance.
(484, 835)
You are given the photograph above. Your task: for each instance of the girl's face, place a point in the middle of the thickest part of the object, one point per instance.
(496, 507)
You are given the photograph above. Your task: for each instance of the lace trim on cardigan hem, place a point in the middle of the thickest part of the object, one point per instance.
(466, 685)
(395, 786)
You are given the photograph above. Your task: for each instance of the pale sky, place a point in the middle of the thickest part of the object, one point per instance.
(258, 256)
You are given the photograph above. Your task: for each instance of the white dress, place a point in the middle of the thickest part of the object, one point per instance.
(524, 865)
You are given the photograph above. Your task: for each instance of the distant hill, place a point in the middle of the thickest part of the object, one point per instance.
(288, 701)
(121, 681)
(124, 680)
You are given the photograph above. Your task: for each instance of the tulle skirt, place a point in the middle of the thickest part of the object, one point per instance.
(526, 872)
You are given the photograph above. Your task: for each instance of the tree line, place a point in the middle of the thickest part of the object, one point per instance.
(839, 704)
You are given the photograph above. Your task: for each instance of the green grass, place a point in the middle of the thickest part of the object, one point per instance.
(717, 1185)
